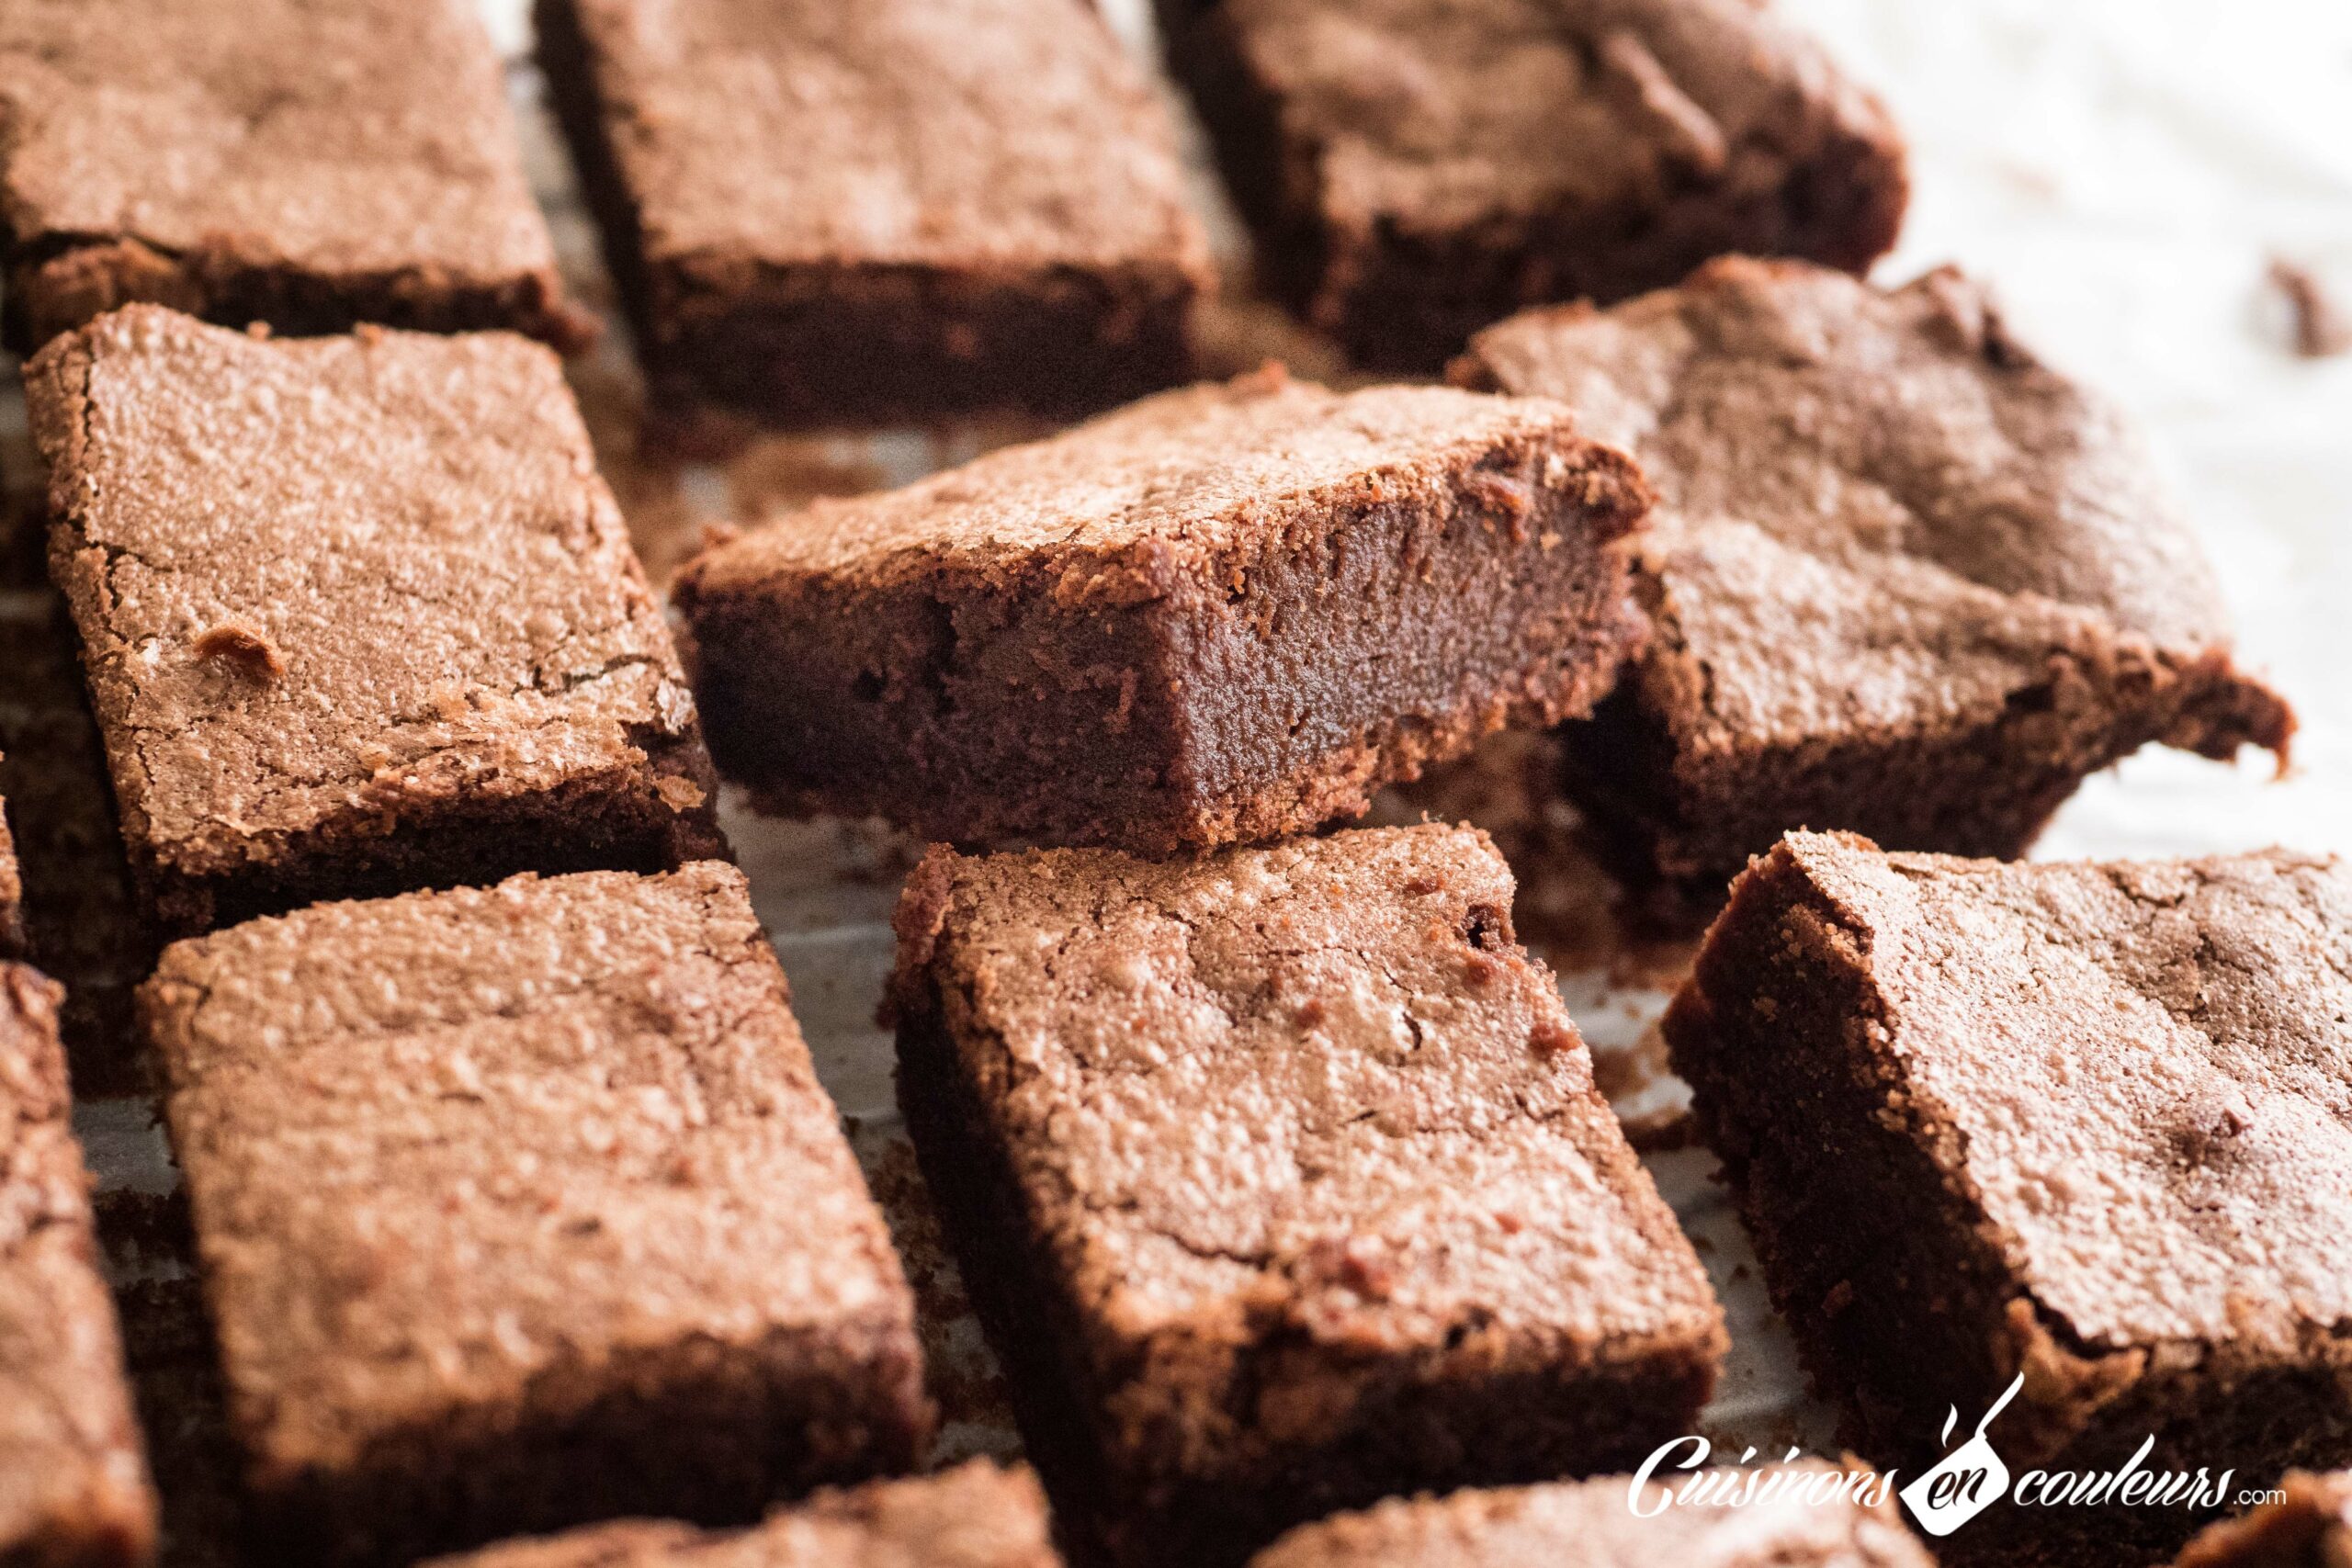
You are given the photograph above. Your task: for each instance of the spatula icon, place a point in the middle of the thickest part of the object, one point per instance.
(1966, 1481)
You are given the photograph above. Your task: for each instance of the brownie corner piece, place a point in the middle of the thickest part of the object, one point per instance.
(520, 1207)
(976, 1515)
(1925, 612)
(73, 1482)
(988, 213)
(357, 616)
(310, 167)
(2080, 1125)
(1280, 1179)
(1218, 616)
(1526, 152)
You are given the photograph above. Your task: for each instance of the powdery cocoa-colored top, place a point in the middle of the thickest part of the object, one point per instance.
(72, 1478)
(363, 136)
(1591, 1524)
(1433, 115)
(957, 133)
(1876, 510)
(1317, 1087)
(1176, 477)
(450, 1148)
(2141, 1073)
(975, 1516)
(334, 577)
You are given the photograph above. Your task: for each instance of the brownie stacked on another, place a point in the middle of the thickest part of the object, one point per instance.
(2309, 1526)
(2088, 1125)
(880, 212)
(1906, 580)
(357, 616)
(975, 1516)
(74, 1488)
(1416, 169)
(522, 1207)
(1820, 1517)
(309, 165)
(1222, 615)
(1281, 1183)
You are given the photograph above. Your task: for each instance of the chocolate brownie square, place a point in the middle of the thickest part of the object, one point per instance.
(2088, 1126)
(1807, 1515)
(1906, 580)
(357, 616)
(884, 212)
(521, 1207)
(1280, 1182)
(1416, 169)
(1222, 615)
(73, 1487)
(975, 1516)
(307, 165)
(2308, 1525)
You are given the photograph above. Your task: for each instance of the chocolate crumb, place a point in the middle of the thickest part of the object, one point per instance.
(1549, 1039)
(247, 647)
(2323, 326)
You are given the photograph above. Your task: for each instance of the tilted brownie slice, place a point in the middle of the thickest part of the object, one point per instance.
(975, 1516)
(1416, 169)
(887, 211)
(1222, 615)
(2088, 1125)
(357, 615)
(1281, 1183)
(521, 1207)
(1906, 580)
(311, 166)
(2308, 1526)
(1796, 1516)
(74, 1488)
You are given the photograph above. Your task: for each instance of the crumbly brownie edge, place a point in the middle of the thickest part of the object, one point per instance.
(1503, 596)
(841, 342)
(1406, 301)
(616, 819)
(55, 292)
(1679, 828)
(1529, 1423)
(105, 1517)
(1896, 1287)
(711, 1432)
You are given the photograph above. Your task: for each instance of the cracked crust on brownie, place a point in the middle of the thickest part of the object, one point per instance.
(1417, 169)
(311, 166)
(1906, 580)
(1282, 1182)
(522, 1206)
(357, 616)
(2089, 1124)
